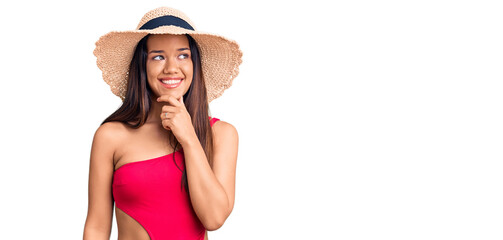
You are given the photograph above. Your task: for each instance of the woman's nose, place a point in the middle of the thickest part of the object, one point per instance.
(170, 66)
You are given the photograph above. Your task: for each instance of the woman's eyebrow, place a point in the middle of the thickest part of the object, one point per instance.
(182, 49)
(156, 51)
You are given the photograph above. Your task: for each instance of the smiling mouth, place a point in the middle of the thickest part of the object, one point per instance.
(171, 83)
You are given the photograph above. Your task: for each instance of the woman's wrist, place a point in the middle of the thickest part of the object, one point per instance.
(190, 141)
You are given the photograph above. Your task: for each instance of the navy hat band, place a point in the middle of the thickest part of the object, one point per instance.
(166, 21)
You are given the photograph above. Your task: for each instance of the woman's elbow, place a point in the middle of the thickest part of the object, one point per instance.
(214, 224)
(216, 220)
(95, 234)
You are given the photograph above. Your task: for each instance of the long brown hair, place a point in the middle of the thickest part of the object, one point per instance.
(138, 101)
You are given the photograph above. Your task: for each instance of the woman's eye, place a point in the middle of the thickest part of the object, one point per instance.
(183, 56)
(158, 57)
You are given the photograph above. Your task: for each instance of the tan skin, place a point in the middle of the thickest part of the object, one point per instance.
(211, 188)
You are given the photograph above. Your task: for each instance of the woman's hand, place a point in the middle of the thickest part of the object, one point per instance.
(175, 118)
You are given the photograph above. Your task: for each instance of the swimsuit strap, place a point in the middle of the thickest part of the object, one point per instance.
(213, 120)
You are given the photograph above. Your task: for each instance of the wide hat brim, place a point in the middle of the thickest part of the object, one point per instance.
(220, 57)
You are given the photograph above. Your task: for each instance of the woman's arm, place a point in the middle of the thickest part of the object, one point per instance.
(212, 188)
(100, 201)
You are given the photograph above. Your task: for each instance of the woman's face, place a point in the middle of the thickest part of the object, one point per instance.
(169, 64)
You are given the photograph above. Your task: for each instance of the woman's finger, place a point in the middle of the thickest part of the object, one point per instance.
(167, 108)
(167, 115)
(166, 124)
(169, 99)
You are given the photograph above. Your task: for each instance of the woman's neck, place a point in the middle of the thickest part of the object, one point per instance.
(154, 115)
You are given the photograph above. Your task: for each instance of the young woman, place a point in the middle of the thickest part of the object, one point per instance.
(168, 166)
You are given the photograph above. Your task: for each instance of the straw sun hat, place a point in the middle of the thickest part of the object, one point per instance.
(220, 57)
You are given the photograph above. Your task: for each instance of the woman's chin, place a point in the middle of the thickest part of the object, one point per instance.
(173, 93)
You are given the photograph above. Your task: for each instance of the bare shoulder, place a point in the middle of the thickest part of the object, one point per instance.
(111, 131)
(225, 135)
(109, 135)
(224, 129)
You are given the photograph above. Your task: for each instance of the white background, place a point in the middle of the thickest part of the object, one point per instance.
(357, 120)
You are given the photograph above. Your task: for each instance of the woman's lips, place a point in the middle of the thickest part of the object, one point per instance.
(170, 82)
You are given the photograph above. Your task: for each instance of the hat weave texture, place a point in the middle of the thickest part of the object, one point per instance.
(220, 56)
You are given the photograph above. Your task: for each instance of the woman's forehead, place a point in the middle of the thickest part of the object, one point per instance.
(167, 41)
